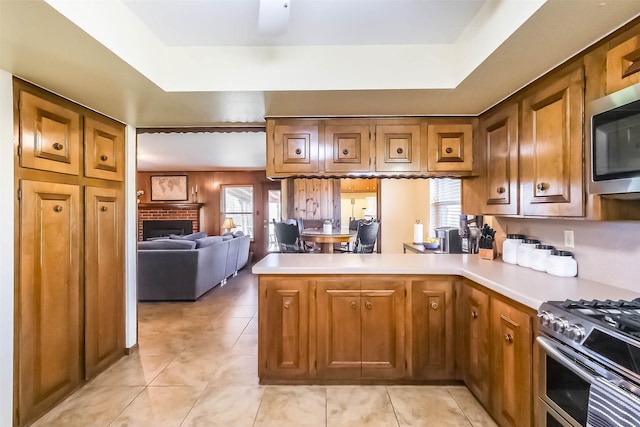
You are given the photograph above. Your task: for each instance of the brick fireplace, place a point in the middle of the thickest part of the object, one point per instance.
(169, 212)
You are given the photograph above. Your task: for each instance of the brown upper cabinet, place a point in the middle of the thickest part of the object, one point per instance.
(551, 149)
(372, 147)
(50, 135)
(623, 65)
(358, 185)
(104, 148)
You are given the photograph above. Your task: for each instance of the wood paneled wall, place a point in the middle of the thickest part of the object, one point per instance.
(209, 184)
(314, 198)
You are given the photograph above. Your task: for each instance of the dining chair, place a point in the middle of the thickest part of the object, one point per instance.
(288, 236)
(367, 236)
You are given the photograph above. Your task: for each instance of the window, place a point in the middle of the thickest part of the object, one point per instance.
(237, 203)
(445, 203)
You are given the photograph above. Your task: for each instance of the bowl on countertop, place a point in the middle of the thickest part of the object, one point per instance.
(431, 245)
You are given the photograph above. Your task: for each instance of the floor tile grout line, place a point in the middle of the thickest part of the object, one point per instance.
(126, 406)
(459, 407)
(395, 413)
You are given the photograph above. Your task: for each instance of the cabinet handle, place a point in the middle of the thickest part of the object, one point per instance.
(103, 158)
(103, 208)
(298, 151)
(345, 151)
(399, 150)
(449, 150)
(57, 208)
(474, 314)
(434, 305)
(58, 146)
(368, 305)
(508, 338)
(501, 190)
(542, 186)
(287, 303)
(353, 305)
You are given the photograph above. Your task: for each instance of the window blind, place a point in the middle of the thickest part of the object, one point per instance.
(445, 202)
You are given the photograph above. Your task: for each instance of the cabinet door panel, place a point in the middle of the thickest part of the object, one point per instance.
(104, 149)
(383, 329)
(49, 135)
(450, 147)
(104, 288)
(49, 296)
(339, 341)
(475, 315)
(551, 149)
(296, 148)
(623, 64)
(432, 317)
(512, 345)
(284, 317)
(398, 148)
(346, 148)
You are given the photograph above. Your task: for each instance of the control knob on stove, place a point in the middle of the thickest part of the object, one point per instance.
(575, 332)
(546, 318)
(560, 325)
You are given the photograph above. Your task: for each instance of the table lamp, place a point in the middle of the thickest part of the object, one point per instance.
(228, 224)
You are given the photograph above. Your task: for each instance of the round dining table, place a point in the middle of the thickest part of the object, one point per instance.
(327, 240)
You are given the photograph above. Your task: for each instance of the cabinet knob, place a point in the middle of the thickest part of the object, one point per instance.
(449, 150)
(103, 158)
(399, 151)
(58, 146)
(434, 305)
(474, 314)
(298, 151)
(345, 151)
(368, 305)
(287, 303)
(57, 208)
(500, 190)
(542, 186)
(353, 305)
(508, 338)
(104, 209)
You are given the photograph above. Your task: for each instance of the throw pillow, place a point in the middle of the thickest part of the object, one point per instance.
(166, 244)
(192, 236)
(208, 241)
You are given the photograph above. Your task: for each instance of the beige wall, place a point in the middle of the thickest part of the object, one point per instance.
(606, 252)
(403, 202)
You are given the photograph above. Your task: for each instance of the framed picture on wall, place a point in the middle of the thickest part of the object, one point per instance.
(169, 188)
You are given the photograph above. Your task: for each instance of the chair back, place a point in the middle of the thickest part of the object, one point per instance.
(353, 224)
(287, 236)
(366, 238)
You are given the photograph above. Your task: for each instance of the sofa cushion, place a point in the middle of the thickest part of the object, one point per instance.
(227, 236)
(238, 233)
(166, 244)
(192, 236)
(208, 241)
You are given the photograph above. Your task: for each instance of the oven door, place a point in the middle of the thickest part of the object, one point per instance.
(564, 381)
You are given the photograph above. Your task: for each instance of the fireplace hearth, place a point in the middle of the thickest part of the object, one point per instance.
(164, 228)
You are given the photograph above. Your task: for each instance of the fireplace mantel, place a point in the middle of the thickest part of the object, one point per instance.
(169, 205)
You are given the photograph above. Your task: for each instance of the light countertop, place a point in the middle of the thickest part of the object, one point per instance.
(521, 284)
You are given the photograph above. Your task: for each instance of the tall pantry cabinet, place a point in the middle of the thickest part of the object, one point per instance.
(69, 308)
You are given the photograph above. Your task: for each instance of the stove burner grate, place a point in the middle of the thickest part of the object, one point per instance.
(602, 304)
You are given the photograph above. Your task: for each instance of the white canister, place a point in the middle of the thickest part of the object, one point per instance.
(562, 263)
(326, 226)
(539, 257)
(510, 248)
(525, 250)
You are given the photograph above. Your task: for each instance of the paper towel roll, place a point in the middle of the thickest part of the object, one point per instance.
(418, 233)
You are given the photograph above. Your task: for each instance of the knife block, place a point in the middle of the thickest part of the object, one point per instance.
(487, 253)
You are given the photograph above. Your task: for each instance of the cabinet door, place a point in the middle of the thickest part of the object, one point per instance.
(49, 316)
(450, 147)
(398, 148)
(511, 371)
(104, 276)
(383, 329)
(104, 149)
(499, 134)
(339, 328)
(293, 147)
(50, 135)
(623, 64)
(432, 325)
(283, 347)
(551, 149)
(346, 148)
(475, 320)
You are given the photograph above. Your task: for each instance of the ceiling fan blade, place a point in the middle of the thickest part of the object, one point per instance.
(273, 18)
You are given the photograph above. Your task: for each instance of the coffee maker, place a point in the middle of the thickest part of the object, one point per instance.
(450, 240)
(470, 231)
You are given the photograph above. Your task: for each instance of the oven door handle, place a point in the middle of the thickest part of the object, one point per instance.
(551, 350)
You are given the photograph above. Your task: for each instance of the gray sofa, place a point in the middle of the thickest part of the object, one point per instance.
(183, 268)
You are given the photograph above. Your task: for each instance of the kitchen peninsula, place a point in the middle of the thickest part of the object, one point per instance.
(408, 319)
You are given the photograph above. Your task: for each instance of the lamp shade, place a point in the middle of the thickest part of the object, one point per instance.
(228, 223)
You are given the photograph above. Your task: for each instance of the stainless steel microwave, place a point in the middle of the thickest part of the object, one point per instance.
(613, 129)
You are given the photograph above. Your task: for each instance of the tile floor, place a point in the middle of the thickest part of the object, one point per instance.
(197, 366)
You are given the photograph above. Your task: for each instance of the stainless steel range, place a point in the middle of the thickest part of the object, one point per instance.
(584, 342)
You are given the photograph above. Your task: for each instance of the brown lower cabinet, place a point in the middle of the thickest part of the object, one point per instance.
(316, 329)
